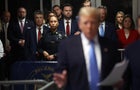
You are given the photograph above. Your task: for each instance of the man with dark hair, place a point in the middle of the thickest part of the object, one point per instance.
(37, 32)
(106, 29)
(58, 11)
(17, 32)
(67, 24)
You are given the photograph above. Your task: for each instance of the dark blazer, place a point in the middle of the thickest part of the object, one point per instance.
(132, 76)
(74, 26)
(71, 57)
(14, 35)
(110, 31)
(2, 35)
(32, 40)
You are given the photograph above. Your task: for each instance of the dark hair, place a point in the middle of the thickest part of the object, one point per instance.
(86, 1)
(38, 12)
(103, 7)
(132, 21)
(56, 6)
(20, 8)
(67, 5)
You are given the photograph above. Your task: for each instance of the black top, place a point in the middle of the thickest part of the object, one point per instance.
(50, 42)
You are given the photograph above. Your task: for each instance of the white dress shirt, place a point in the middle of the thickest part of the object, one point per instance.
(1, 50)
(23, 22)
(65, 24)
(37, 29)
(86, 47)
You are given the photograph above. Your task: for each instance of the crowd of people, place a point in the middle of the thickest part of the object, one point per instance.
(23, 39)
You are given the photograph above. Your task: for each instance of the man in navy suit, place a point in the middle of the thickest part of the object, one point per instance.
(68, 25)
(36, 34)
(106, 29)
(86, 59)
(17, 32)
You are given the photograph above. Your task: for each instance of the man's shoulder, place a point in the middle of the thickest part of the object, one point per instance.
(134, 46)
(72, 40)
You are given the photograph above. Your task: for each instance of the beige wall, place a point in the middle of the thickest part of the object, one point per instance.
(135, 8)
(96, 3)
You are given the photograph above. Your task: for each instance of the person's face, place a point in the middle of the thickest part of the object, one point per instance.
(138, 25)
(89, 26)
(67, 12)
(58, 11)
(102, 13)
(87, 4)
(7, 17)
(22, 13)
(53, 22)
(119, 18)
(39, 19)
(127, 23)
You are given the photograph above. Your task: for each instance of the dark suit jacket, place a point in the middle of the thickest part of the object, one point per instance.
(110, 31)
(2, 35)
(71, 57)
(14, 35)
(74, 26)
(132, 76)
(32, 40)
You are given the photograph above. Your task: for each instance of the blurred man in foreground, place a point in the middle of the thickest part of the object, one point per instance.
(86, 59)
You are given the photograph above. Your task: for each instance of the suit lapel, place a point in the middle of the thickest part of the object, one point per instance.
(44, 30)
(63, 26)
(25, 25)
(35, 34)
(72, 26)
(106, 27)
(18, 26)
(104, 55)
(81, 53)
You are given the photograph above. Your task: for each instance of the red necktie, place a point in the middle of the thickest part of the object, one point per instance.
(67, 28)
(21, 26)
(39, 34)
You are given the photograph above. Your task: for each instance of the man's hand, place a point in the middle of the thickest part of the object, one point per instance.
(21, 42)
(50, 57)
(46, 54)
(60, 79)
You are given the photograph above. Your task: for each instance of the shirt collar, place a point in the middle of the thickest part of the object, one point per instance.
(86, 41)
(67, 20)
(39, 27)
(103, 23)
(23, 20)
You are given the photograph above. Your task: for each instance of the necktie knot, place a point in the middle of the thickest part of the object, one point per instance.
(39, 28)
(101, 31)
